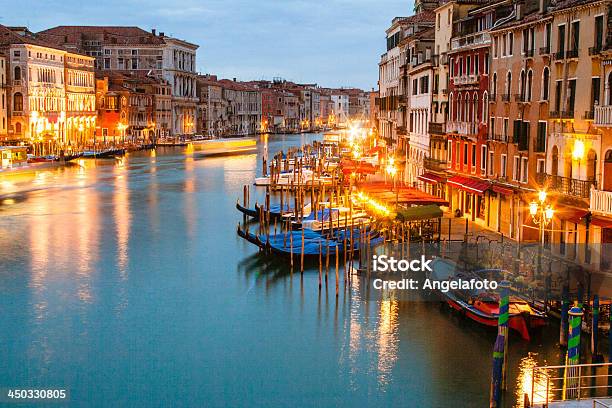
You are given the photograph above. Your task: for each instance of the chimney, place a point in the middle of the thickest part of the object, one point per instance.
(543, 6)
(234, 79)
(519, 7)
(161, 34)
(153, 31)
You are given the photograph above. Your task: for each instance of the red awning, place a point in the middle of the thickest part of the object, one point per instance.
(571, 214)
(469, 184)
(375, 150)
(501, 189)
(601, 222)
(430, 178)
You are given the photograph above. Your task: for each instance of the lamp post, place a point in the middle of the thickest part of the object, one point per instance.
(392, 171)
(541, 215)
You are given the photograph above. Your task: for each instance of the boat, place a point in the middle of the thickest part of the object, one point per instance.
(42, 159)
(103, 154)
(315, 244)
(224, 146)
(483, 306)
(338, 217)
(275, 210)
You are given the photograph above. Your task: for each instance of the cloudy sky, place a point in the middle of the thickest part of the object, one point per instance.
(333, 42)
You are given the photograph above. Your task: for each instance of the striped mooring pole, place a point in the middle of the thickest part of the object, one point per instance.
(500, 350)
(564, 323)
(573, 353)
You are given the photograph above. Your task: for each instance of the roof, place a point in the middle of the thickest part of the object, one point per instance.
(9, 37)
(564, 4)
(121, 35)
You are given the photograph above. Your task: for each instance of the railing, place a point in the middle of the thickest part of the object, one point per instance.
(481, 38)
(571, 54)
(545, 50)
(506, 97)
(529, 53)
(520, 98)
(492, 97)
(565, 185)
(466, 79)
(437, 128)
(498, 137)
(600, 404)
(444, 91)
(596, 50)
(16, 82)
(603, 116)
(559, 55)
(561, 114)
(601, 201)
(463, 128)
(569, 382)
(435, 164)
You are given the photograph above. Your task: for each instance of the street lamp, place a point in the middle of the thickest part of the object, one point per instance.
(392, 171)
(541, 215)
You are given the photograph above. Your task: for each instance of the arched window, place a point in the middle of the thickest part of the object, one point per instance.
(545, 84)
(459, 107)
(522, 86)
(485, 107)
(17, 74)
(508, 84)
(18, 128)
(609, 87)
(18, 102)
(529, 84)
(475, 108)
(451, 99)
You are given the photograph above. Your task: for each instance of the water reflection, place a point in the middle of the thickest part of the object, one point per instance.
(388, 340)
(530, 383)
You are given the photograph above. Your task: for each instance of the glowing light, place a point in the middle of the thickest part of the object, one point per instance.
(549, 213)
(578, 152)
(542, 196)
(533, 208)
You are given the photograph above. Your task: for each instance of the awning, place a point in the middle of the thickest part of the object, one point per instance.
(469, 184)
(602, 222)
(502, 190)
(430, 178)
(421, 212)
(571, 214)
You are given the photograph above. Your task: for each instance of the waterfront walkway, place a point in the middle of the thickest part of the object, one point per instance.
(588, 403)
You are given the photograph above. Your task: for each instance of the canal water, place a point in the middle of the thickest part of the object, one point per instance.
(124, 282)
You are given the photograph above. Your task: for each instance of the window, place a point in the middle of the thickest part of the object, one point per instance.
(483, 158)
(476, 65)
(547, 35)
(508, 84)
(415, 86)
(458, 154)
(465, 154)
(449, 152)
(503, 161)
(571, 89)
(490, 164)
(540, 146)
(595, 90)
(473, 158)
(545, 84)
(516, 169)
(134, 63)
(106, 63)
(529, 84)
(575, 39)
(561, 39)
(486, 63)
(524, 169)
(510, 43)
(18, 102)
(107, 52)
(495, 84)
(468, 67)
(541, 166)
(17, 74)
(558, 86)
(491, 127)
(598, 43)
(506, 125)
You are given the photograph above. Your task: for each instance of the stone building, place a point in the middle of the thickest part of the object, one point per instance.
(132, 49)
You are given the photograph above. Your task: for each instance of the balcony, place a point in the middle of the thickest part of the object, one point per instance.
(596, 50)
(462, 128)
(588, 115)
(601, 202)
(497, 137)
(506, 97)
(437, 128)
(521, 98)
(559, 55)
(434, 164)
(561, 114)
(545, 50)
(569, 54)
(565, 185)
(603, 116)
(529, 53)
(16, 82)
(470, 79)
(470, 40)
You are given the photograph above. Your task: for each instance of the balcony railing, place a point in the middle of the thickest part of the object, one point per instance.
(435, 164)
(596, 50)
(588, 115)
(571, 54)
(545, 50)
(463, 128)
(481, 38)
(498, 137)
(565, 185)
(603, 116)
(506, 97)
(437, 128)
(16, 82)
(559, 55)
(561, 114)
(529, 53)
(521, 98)
(601, 202)
(466, 79)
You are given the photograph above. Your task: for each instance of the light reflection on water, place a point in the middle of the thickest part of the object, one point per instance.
(125, 280)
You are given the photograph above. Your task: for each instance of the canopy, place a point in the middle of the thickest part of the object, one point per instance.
(469, 184)
(430, 178)
(421, 212)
